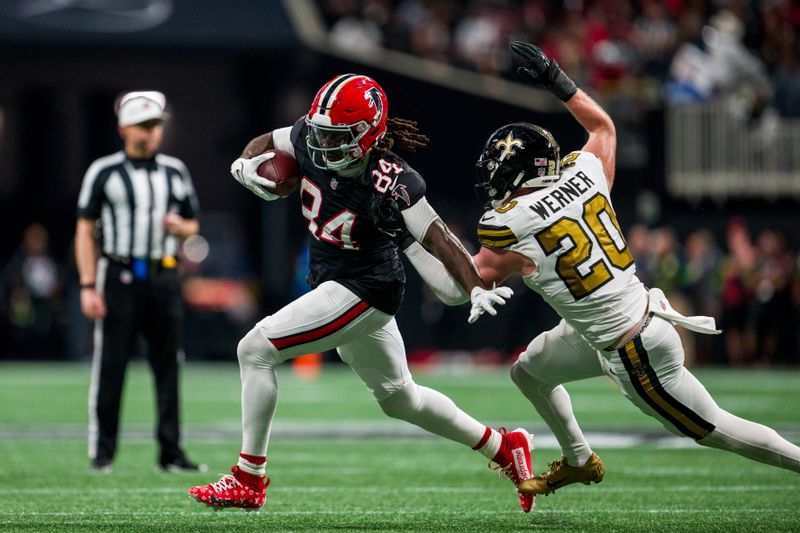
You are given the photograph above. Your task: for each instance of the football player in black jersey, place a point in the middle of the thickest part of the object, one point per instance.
(343, 148)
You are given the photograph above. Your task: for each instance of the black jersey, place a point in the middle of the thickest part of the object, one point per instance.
(346, 246)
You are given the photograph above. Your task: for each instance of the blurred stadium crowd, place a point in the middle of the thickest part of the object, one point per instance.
(647, 52)
(635, 56)
(749, 281)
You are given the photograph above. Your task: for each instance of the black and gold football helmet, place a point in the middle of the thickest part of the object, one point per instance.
(516, 155)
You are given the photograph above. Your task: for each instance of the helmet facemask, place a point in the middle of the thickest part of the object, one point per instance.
(335, 147)
(496, 182)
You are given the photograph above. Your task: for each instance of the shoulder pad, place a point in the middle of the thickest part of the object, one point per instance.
(390, 174)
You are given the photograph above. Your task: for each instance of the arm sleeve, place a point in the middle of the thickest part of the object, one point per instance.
(436, 276)
(418, 218)
(282, 140)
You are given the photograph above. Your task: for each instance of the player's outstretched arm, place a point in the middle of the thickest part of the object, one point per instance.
(459, 265)
(543, 70)
(453, 277)
(455, 258)
(602, 134)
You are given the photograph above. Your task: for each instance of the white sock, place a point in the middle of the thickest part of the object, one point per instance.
(259, 398)
(555, 407)
(253, 465)
(492, 444)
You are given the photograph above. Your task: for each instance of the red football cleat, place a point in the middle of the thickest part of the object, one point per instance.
(233, 491)
(514, 461)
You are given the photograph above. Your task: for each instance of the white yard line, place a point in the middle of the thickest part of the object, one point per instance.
(393, 512)
(775, 487)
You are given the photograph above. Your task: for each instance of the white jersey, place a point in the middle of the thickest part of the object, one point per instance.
(584, 269)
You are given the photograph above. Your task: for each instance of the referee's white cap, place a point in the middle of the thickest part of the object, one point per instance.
(140, 106)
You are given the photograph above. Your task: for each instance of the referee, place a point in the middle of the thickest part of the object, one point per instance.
(143, 203)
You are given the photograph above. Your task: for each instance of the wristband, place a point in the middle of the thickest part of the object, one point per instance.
(562, 86)
(404, 240)
(90, 285)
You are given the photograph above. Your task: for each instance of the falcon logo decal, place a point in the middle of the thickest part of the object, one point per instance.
(401, 192)
(373, 96)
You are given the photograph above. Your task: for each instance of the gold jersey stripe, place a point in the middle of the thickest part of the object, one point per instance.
(651, 390)
(495, 232)
(494, 243)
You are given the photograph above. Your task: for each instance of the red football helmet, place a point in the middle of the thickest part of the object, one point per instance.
(346, 119)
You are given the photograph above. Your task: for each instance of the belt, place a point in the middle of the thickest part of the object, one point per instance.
(622, 342)
(167, 262)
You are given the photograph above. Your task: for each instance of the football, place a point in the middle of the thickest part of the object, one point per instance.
(282, 169)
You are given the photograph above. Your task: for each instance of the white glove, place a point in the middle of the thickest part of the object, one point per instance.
(483, 301)
(243, 170)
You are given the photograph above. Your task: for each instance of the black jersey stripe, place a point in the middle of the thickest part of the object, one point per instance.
(114, 229)
(151, 214)
(332, 89)
(317, 333)
(170, 206)
(645, 380)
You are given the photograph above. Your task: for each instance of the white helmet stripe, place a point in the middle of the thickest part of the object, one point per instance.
(332, 90)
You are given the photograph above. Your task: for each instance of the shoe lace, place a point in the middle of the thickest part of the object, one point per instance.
(226, 482)
(554, 466)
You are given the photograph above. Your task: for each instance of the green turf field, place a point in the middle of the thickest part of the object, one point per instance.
(337, 463)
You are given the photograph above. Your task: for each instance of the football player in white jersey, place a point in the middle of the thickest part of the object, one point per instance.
(550, 219)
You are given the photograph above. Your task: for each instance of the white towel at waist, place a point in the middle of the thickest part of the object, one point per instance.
(659, 306)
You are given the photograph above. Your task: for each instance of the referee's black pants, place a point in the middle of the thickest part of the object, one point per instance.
(153, 308)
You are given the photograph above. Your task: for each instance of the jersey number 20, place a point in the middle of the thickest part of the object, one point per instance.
(570, 260)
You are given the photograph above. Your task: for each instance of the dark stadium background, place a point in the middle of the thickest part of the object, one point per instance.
(232, 70)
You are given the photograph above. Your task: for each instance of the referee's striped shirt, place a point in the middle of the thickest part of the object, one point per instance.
(131, 197)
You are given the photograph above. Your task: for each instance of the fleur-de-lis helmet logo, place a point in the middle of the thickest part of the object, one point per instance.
(507, 146)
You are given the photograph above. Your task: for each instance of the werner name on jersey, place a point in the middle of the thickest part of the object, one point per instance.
(584, 269)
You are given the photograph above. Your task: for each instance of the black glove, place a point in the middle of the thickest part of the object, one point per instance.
(544, 70)
(386, 216)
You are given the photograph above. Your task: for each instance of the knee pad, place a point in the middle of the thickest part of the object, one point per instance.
(402, 403)
(526, 368)
(518, 375)
(255, 350)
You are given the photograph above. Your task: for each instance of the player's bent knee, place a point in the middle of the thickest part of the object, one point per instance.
(402, 403)
(255, 350)
(518, 375)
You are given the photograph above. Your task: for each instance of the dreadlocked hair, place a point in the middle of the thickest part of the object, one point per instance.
(403, 133)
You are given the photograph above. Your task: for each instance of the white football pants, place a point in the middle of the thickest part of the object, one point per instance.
(650, 373)
(367, 339)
